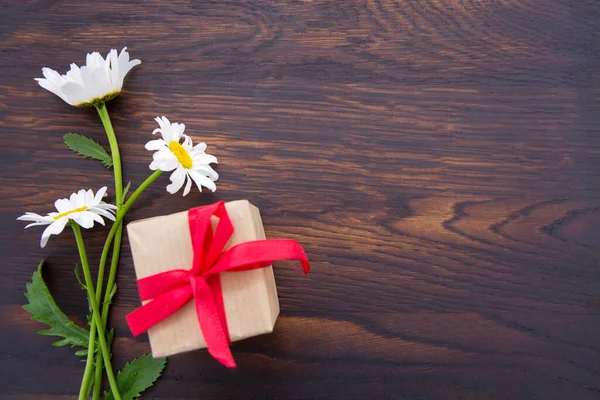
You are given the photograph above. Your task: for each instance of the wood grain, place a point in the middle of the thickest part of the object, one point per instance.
(439, 161)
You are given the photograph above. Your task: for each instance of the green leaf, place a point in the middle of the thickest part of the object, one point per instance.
(78, 276)
(109, 297)
(84, 146)
(125, 191)
(137, 376)
(43, 309)
(110, 335)
(82, 353)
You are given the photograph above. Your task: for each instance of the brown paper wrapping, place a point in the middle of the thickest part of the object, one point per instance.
(250, 297)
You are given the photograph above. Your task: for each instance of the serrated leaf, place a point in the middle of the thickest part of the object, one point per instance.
(125, 191)
(84, 146)
(43, 308)
(137, 376)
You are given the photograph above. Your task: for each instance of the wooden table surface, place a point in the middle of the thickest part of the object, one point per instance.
(439, 160)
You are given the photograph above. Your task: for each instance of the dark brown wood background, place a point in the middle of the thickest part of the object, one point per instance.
(438, 159)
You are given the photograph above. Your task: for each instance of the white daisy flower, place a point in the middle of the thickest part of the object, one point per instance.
(98, 81)
(188, 163)
(82, 207)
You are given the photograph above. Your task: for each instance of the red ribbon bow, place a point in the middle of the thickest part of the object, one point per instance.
(171, 290)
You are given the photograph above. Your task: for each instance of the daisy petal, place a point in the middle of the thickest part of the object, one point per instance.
(89, 197)
(169, 165)
(29, 216)
(84, 219)
(188, 185)
(153, 165)
(37, 224)
(187, 143)
(177, 178)
(155, 144)
(100, 194)
(204, 158)
(201, 147)
(80, 199)
(104, 213)
(207, 171)
(177, 131)
(62, 205)
(96, 217)
(106, 206)
(202, 180)
(45, 83)
(53, 229)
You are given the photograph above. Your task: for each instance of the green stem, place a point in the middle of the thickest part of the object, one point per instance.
(95, 310)
(86, 381)
(116, 232)
(118, 174)
(117, 226)
(114, 150)
(139, 191)
(107, 302)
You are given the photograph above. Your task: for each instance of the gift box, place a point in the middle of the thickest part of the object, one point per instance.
(205, 278)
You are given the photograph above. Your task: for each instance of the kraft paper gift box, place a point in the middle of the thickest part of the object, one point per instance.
(164, 243)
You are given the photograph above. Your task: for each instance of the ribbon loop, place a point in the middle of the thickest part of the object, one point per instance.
(153, 286)
(169, 291)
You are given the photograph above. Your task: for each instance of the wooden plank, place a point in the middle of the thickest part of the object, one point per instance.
(438, 160)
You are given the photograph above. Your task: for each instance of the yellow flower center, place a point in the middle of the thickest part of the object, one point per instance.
(182, 155)
(79, 209)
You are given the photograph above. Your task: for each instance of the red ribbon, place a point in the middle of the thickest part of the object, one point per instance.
(171, 290)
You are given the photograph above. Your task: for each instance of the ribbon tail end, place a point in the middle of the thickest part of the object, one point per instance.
(225, 359)
(304, 270)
